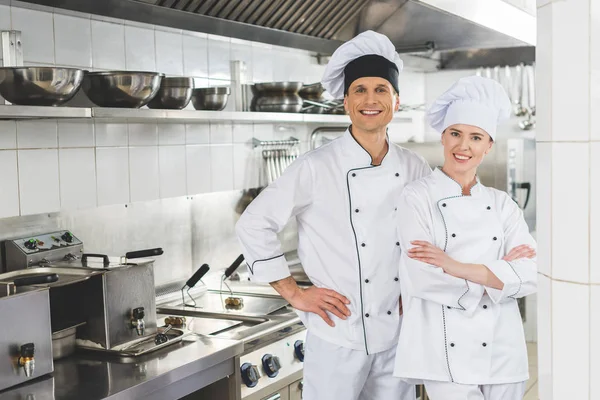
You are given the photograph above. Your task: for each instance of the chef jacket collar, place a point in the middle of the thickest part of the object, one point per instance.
(449, 187)
(359, 157)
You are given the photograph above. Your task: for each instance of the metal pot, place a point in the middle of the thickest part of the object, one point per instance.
(213, 98)
(291, 103)
(39, 86)
(277, 87)
(174, 94)
(63, 342)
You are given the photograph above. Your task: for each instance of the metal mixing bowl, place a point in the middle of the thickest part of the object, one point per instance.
(124, 89)
(214, 98)
(174, 94)
(277, 87)
(289, 103)
(39, 86)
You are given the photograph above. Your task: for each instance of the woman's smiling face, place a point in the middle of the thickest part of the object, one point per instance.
(465, 147)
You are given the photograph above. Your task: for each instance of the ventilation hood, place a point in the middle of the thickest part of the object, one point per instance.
(322, 25)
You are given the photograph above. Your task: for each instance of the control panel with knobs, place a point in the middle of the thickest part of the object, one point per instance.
(299, 350)
(250, 374)
(271, 365)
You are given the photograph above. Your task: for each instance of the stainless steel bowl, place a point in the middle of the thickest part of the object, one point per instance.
(123, 89)
(214, 98)
(289, 103)
(39, 86)
(278, 87)
(174, 94)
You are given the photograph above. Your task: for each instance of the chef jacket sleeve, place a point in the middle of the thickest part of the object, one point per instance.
(519, 276)
(422, 280)
(267, 215)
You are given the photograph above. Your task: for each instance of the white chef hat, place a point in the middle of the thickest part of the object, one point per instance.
(473, 100)
(368, 54)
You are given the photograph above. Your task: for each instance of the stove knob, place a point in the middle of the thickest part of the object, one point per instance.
(299, 350)
(67, 237)
(30, 244)
(271, 365)
(250, 374)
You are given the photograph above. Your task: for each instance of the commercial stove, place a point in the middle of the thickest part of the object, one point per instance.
(271, 366)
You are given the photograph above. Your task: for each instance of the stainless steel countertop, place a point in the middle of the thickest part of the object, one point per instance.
(167, 374)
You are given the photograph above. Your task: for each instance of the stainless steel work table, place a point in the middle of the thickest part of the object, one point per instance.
(170, 373)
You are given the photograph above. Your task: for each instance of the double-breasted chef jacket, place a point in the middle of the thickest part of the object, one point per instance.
(345, 210)
(455, 330)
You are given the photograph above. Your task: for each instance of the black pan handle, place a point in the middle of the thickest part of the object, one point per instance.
(144, 253)
(197, 276)
(231, 269)
(35, 280)
(104, 258)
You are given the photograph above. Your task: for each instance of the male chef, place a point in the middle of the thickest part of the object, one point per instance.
(344, 196)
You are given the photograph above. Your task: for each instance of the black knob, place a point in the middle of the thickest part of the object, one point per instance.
(271, 365)
(299, 350)
(250, 374)
(67, 237)
(27, 350)
(138, 313)
(31, 244)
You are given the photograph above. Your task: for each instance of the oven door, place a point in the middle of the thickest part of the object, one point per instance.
(283, 394)
(296, 390)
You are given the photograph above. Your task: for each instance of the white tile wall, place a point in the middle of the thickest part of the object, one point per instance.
(4, 19)
(219, 55)
(198, 164)
(169, 134)
(37, 34)
(75, 134)
(8, 135)
(77, 169)
(140, 49)
(570, 35)
(544, 207)
(594, 343)
(595, 103)
(143, 173)
(172, 167)
(195, 55)
(221, 133)
(143, 134)
(108, 45)
(595, 213)
(241, 50)
(544, 340)
(262, 63)
(221, 168)
(169, 53)
(9, 182)
(570, 324)
(74, 36)
(197, 133)
(112, 170)
(246, 167)
(111, 134)
(38, 181)
(243, 133)
(570, 168)
(543, 97)
(37, 134)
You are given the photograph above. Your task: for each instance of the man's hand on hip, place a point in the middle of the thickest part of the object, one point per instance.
(314, 299)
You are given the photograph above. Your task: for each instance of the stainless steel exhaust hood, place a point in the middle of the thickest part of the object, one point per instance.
(322, 25)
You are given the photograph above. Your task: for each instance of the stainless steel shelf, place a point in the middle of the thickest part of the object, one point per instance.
(38, 112)
(166, 116)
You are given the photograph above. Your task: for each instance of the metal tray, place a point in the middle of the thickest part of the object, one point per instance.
(141, 346)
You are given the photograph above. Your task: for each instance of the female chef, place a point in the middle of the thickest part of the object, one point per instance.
(467, 256)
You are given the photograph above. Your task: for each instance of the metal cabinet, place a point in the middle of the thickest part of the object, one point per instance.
(296, 390)
(283, 394)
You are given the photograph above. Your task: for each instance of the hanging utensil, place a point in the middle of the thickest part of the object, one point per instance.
(497, 73)
(531, 88)
(521, 79)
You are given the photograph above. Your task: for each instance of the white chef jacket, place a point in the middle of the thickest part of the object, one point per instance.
(347, 241)
(455, 330)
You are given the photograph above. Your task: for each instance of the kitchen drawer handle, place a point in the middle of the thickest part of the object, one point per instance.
(275, 397)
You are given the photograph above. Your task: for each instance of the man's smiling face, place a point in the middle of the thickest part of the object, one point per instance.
(371, 103)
